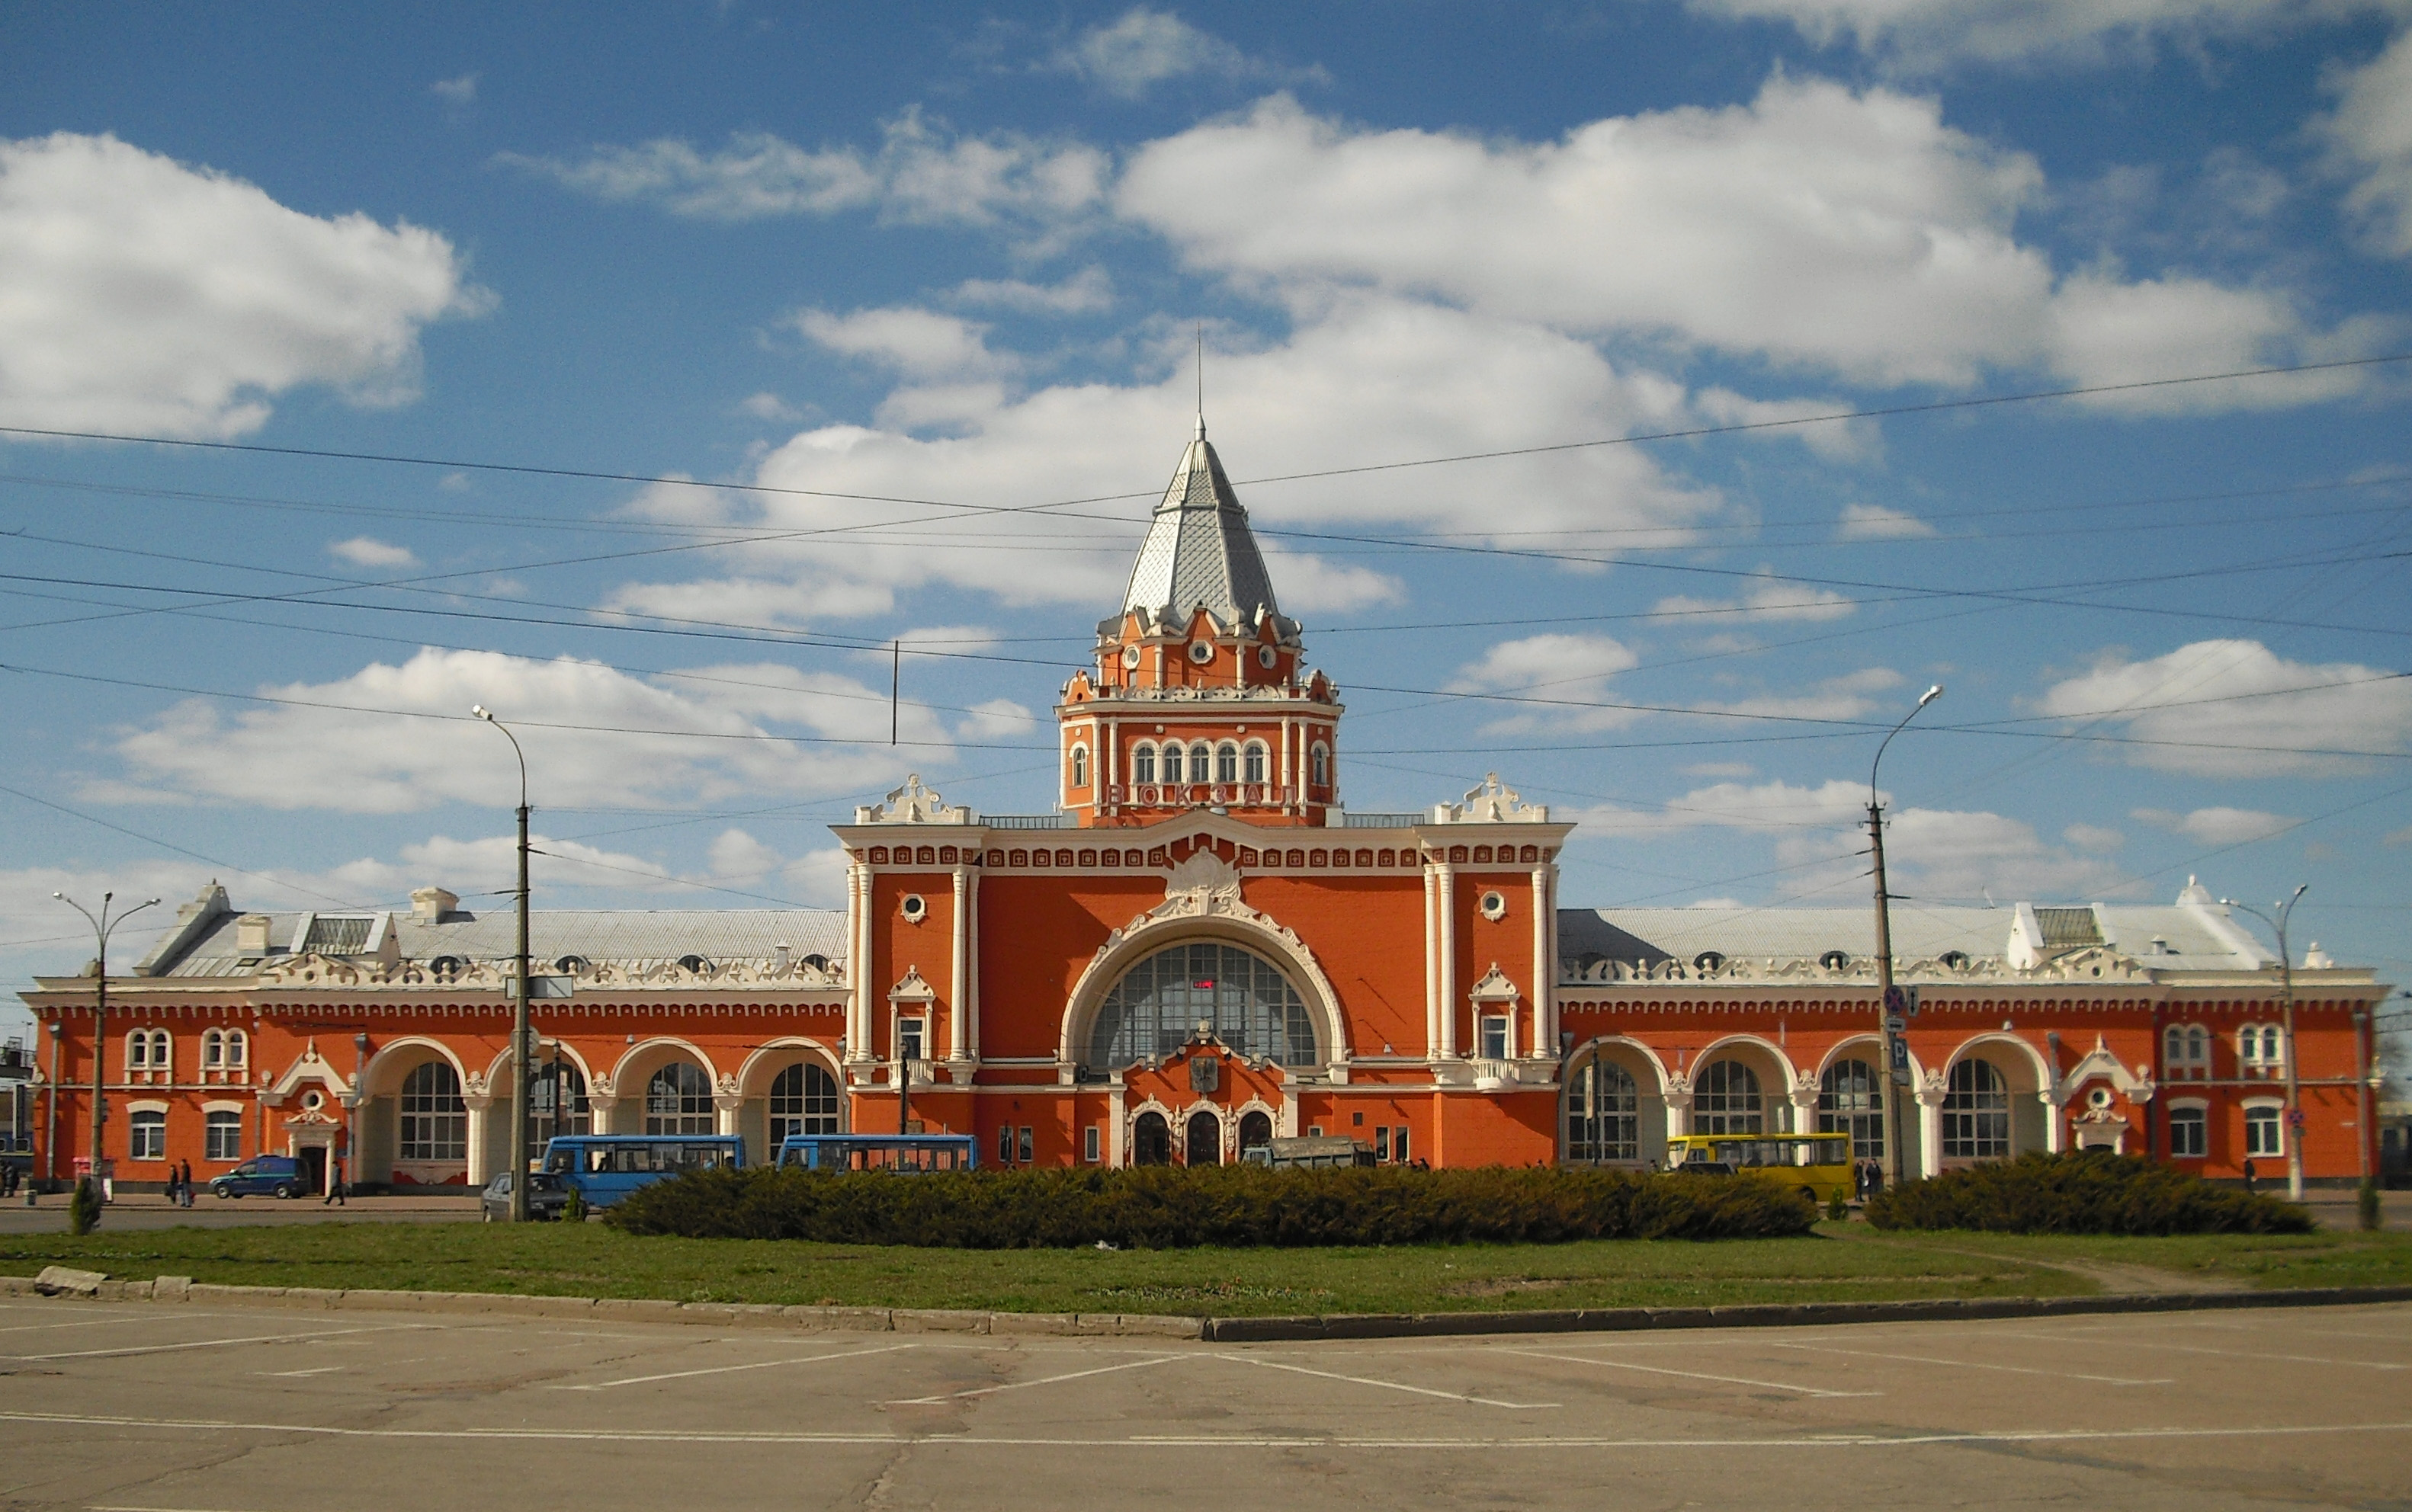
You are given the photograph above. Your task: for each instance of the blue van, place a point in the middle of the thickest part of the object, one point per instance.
(904, 1154)
(263, 1176)
(604, 1168)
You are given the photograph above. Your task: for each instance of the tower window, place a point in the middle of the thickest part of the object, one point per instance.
(1253, 763)
(1227, 763)
(1080, 766)
(1143, 764)
(1320, 766)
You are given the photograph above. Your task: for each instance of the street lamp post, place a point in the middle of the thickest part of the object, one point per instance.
(520, 1001)
(2277, 923)
(103, 926)
(1885, 996)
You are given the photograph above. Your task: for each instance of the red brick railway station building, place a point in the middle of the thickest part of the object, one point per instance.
(1200, 950)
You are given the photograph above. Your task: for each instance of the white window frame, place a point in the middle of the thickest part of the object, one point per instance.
(1176, 770)
(1494, 1030)
(147, 1116)
(912, 1037)
(1255, 759)
(1005, 1144)
(2276, 1123)
(1080, 766)
(2185, 1052)
(238, 1051)
(2200, 1123)
(1144, 763)
(1227, 763)
(215, 1118)
(1092, 1140)
(2263, 1048)
(1318, 765)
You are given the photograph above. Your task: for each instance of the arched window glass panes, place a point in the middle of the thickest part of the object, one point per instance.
(1255, 1131)
(1227, 763)
(1725, 1100)
(1321, 766)
(1157, 1005)
(1143, 764)
(434, 1120)
(1976, 1112)
(678, 1100)
(1172, 762)
(1253, 770)
(803, 1100)
(557, 1100)
(1151, 1140)
(1080, 766)
(1603, 1113)
(1850, 1100)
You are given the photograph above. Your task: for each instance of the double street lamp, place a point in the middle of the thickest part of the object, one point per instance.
(520, 994)
(1888, 1001)
(103, 926)
(2294, 1135)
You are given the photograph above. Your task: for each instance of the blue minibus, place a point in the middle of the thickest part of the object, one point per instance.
(904, 1154)
(604, 1168)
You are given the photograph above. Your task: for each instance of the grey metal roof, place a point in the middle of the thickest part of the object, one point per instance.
(2189, 941)
(1198, 547)
(625, 937)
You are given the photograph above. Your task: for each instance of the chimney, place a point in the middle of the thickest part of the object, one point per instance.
(427, 905)
(251, 934)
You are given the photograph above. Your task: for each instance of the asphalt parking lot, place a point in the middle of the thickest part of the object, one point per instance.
(162, 1407)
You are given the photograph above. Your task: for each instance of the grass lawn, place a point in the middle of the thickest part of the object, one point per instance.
(1842, 1261)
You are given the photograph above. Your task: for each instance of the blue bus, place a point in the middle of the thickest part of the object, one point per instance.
(904, 1154)
(604, 1168)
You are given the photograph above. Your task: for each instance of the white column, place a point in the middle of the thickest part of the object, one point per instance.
(971, 966)
(2055, 1127)
(1545, 1036)
(1285, 744)
(956, 1036)
(1431, 964)
(1930, 1131)
(1448, 922)
(480, 1107)
(858, 1025)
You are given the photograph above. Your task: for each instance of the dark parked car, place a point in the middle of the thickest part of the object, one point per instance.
(262, 1175)
(548, 1194)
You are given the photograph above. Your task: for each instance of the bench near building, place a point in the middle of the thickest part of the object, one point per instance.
(1202, 950)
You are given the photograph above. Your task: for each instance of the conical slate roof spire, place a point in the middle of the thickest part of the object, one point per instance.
(1199, 548)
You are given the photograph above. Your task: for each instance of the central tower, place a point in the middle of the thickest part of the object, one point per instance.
(1201, 698)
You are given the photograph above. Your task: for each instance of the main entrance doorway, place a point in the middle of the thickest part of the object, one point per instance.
(1151, 1140)
(1205, 1139)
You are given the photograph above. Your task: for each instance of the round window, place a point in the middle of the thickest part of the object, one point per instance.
(1495, 907)
(915, 907)
(1265, 657)
(313, 1100)
(1201, 652)
(1130, 657)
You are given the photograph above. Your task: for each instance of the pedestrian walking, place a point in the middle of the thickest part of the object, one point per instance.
(185, 1184)
(170, 1188)
(335, 1187)
(2249, 1173)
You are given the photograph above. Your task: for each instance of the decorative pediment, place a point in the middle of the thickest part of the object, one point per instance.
(314, 968)
(913, 804)
(1491, 802)
(310, 1066)
(2136, 1085)
(1494, 987)
(912, 988)
(1203, 883)
(2097, 962)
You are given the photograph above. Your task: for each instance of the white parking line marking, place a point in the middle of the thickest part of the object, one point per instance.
(1973, 1365)
(2227, 1354)
(1016, 1386)
(1694, 1375)
(1393, 1386)
(97, 1323)
(725, 1369)
(1488, 1445)
(207, 1344)
(314, 1369)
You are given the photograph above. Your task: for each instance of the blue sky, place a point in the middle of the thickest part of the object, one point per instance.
(900, 305)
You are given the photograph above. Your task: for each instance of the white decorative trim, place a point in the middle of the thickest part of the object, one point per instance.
(912, 988)
(913, 804)
(1491, 801)
(1494, 987)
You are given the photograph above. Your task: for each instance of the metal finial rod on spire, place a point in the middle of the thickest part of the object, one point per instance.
(1201, 380)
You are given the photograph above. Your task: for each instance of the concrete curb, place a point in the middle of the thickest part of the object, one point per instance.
(1216, 1330)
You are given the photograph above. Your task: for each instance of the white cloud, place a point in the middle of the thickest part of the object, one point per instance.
(998, 719)
(1765, 808)
(138, 294)
(457, 93)
(368, 551)
(1931, 34)
(918, 344)
(2371, 135)
(2216, 826)
(1815, 227)
(751, 601)
(1943, 855)
(1769, 600)
(738, 857)
(1719, 768)
(1781, 420)
(1875, 522)
(1086, 292)
(594, 736)
(2094, 837)
(1147, 47)
(767, 406)
(921, 175)
(2232, 709)
(1569, 669)
(1847, 696)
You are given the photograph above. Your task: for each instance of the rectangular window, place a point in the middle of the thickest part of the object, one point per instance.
(1382, 1143)
(2262, 1132)
(1399, 1145)
(1091, 1143)
(1494, 1037)
(1028, 1144)
(909, 1039)
(1005, 1144)
(222, 1137)
(150, 1137)
(1315, 1131)
(2188, 1133)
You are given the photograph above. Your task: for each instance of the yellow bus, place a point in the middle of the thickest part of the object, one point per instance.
(1819, 1164)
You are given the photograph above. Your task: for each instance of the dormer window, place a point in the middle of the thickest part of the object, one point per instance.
(572, 965)
(1835, 959)
(1954, 960)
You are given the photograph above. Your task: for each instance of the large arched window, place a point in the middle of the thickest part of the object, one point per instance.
(1320, 766)
(803, 1100)
(678, 1100)
(1725, 1100)
(1603, 1113)
(1172, 761)
(557, 1100)
(1159, 1002)
(1850, 1100)
(1976, 1112)
(1227, 763)
(1080, 766)
(1251, 762)
(434, 1120)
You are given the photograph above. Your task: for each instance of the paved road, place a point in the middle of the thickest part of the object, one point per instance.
(146, 1407)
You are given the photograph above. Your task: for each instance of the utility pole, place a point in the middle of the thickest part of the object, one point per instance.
(2294, 1136)
(103, 926)
(519, 999)
(1896, 1060)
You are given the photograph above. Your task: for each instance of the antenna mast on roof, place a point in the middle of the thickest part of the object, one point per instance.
(1201, 380)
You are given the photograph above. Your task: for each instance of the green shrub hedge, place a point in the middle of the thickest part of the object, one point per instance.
(1235, 1205)
(2093, 1192)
